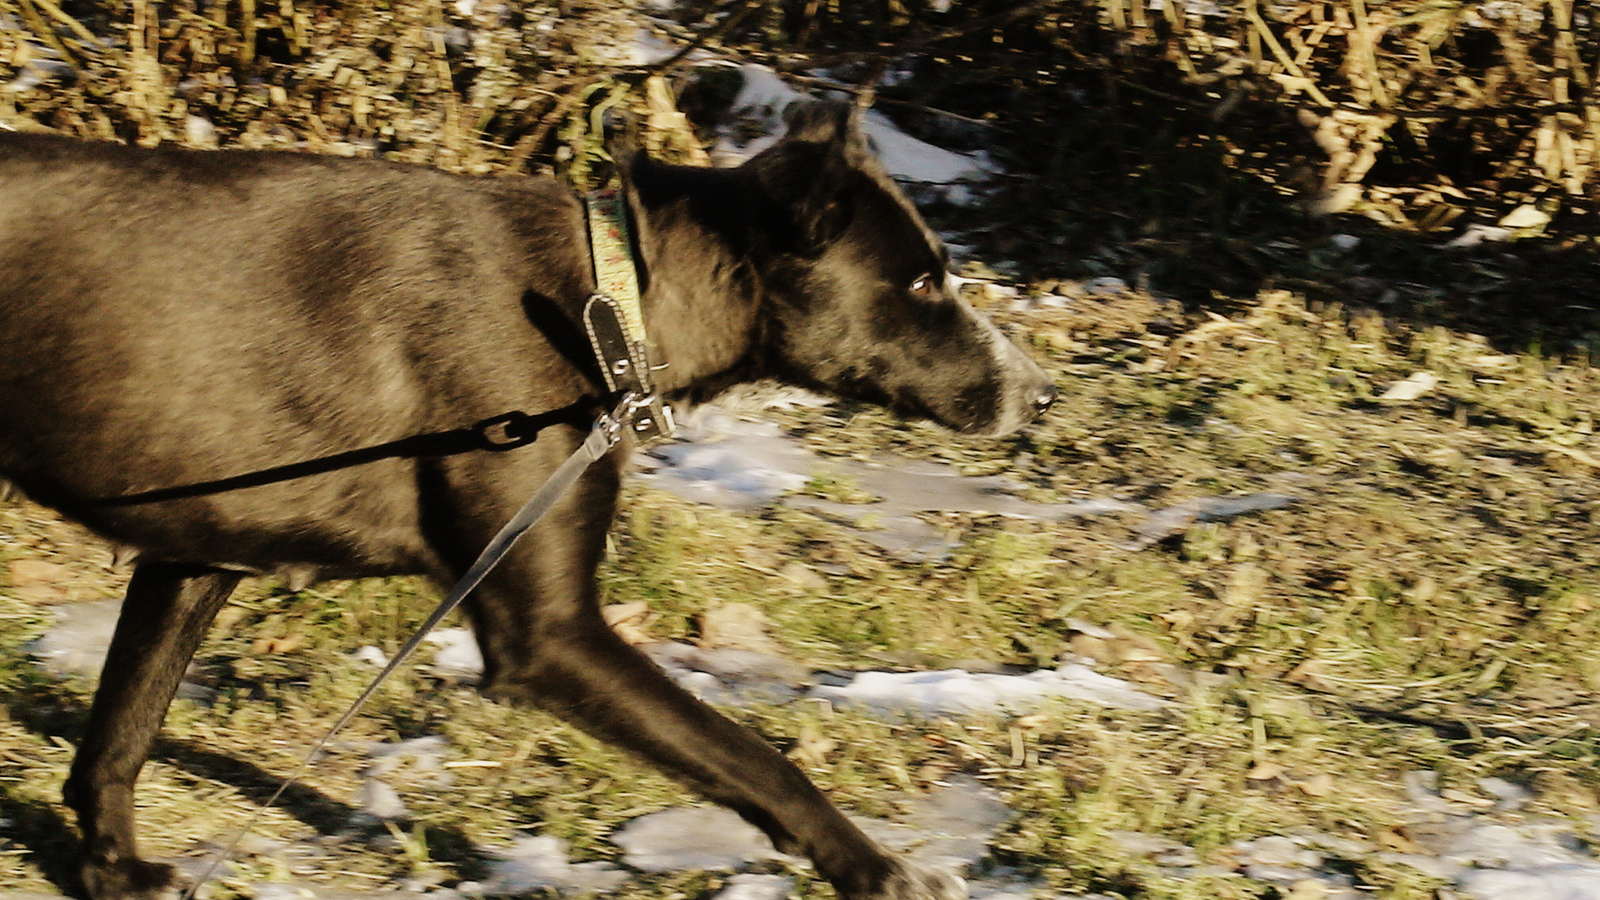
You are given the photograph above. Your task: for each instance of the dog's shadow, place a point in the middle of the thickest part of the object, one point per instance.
(47, 841)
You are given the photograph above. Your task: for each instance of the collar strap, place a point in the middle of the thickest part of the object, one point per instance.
(614, 319)
(611, 247)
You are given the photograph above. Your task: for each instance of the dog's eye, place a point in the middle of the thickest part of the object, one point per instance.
(926, 286)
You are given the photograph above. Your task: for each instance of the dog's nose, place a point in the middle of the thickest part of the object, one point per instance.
(1045, 399)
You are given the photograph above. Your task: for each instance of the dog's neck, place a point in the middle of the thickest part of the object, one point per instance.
(700, 299)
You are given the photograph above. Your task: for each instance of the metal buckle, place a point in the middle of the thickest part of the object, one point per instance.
(647, 416)
(627, 370)
(507, 431)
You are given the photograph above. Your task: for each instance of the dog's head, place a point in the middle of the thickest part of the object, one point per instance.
(858, 301)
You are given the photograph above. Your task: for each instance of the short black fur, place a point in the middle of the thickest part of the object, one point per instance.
(175, 318)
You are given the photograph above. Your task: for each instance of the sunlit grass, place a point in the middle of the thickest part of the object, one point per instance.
(1428, 603)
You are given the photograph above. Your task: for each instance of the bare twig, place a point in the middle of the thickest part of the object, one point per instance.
(1254, 15)
(42, 30)
(56, 13)
(569, 92)
(878, 100)
(883, 54)
(1363, 42)
(728, 23)
(247, 33)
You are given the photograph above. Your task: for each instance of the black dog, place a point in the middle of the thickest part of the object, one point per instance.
(174, 318)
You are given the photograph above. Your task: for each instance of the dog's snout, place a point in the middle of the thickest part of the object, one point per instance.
(1045, 399)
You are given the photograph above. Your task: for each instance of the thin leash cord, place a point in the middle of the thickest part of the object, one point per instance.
(601, 439)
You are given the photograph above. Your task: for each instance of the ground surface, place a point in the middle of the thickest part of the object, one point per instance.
(1426, 604)
(1403, 644)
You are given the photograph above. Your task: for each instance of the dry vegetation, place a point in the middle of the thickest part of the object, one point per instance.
(1429, 602)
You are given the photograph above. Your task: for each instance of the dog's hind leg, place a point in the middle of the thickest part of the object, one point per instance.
(167, 612)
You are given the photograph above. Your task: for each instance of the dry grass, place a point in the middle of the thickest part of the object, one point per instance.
(1429, 603)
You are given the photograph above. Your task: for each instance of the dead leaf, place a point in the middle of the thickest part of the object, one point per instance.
(1399, 843)
(1131, 647)
(630, 621)
(803, 577)
(736, 626)
(272, 646)
(39, 581)
(1307, 889)
(1525, 216)
(1090, 647)
(813, 746)
(1309, 673)
(1411, 388)
(1317, 785)
(1265, 771)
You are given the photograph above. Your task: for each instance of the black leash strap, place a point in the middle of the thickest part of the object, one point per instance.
(602, 437)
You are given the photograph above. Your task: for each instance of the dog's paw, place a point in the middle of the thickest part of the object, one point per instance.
(130, 878)
(916, 881)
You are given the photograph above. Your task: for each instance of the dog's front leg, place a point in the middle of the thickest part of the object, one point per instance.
(590, 677)
(545, 643)
(168, 609)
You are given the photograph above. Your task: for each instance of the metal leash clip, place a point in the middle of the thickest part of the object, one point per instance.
(626, 369)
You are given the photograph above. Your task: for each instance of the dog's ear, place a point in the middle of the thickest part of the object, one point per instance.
(809, 172)
(829, 122)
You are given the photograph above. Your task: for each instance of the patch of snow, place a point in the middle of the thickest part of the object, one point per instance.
(957, 822)
(378, 800)
(458, 655)
(648, 49)
(697, 837)
(370, 655)
(199, 132)
(729, 676)
(956, 691)
(1411, 387)
(1509, 796)
(539, 862)
(1176, 519)
(76, 644)
(1278, 850)
(39, 72)
(764, 96)
(1105, 285)
(1476, 234)
(749, 886)
(950, 827)
(1469, 841)
(742, 463)
(737, 464)
(1577, 881)
(425, 753)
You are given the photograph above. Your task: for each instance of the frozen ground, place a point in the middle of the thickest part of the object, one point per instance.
(744, 462)
(1486, 854)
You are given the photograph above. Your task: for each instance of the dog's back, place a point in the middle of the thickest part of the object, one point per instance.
(176, 316)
